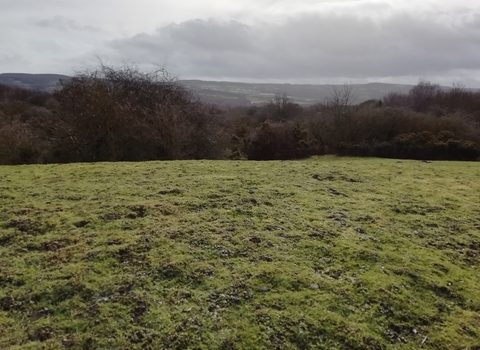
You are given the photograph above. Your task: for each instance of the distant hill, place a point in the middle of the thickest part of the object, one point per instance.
(42, 82)
(231, 93)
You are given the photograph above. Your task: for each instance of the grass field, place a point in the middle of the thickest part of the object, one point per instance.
(324, 253)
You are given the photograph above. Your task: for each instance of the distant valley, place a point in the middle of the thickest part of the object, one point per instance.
(230, 93)
(42, 82)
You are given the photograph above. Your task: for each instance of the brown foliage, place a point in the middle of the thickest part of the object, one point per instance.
(123, 114)
(280, 141)
(19, 144)
(115, 114)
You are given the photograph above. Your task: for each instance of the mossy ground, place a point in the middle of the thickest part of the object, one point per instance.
(324, 253)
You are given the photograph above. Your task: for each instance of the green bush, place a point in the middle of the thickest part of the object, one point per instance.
(423, 145)
(280, 141)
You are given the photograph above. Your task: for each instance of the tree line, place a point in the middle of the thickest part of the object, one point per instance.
(123, 114)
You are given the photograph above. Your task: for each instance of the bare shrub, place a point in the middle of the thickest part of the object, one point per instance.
(124, 114)
(19, 144)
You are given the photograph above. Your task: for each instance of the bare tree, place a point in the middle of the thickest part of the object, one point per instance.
(397, 100)
(125, 114)
(342, 98)
(342, 121)
(423, 95)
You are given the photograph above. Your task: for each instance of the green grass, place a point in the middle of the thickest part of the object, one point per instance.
(324, 253)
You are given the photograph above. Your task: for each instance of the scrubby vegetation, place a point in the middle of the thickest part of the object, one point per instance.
(109, 114)
(122, 114)
(324, 253)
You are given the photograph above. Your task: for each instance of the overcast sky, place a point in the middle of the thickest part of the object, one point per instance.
(297, 41)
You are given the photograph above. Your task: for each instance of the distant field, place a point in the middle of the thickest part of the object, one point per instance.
(325, 253)
(230, 93)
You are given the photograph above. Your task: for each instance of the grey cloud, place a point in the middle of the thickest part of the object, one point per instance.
(199, 36)
(12, 59)
(63, 23)
(310, 46)
(211, 35)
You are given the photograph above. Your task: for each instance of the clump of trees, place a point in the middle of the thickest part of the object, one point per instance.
(112, 114)
(20, 141)
(428, 123)
(123, 114)
(422, 145)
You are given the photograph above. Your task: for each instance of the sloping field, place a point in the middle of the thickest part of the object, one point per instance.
(326, 253)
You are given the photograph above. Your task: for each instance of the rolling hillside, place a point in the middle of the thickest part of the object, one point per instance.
(230, 93)
(324, 253)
